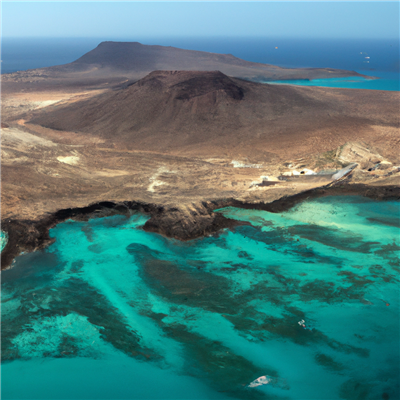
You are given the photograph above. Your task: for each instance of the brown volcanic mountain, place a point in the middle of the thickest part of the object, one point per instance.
(209, 113)
(134, 57)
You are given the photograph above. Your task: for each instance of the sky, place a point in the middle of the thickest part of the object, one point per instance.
(135, 19)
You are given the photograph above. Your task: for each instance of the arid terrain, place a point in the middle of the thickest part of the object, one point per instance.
(180, 144)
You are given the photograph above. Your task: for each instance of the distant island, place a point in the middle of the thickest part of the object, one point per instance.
(113, 62)
(179, 133)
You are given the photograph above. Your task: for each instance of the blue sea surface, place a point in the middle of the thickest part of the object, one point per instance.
(379, 58)
(308, 299)
(21, 54)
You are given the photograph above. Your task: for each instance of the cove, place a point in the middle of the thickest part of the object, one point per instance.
(109, 311)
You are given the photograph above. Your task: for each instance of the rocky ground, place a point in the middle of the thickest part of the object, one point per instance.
(49, 175)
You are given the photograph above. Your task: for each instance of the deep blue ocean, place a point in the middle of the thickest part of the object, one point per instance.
(350, 54)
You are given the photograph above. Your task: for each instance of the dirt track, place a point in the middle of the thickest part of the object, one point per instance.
(46, 170)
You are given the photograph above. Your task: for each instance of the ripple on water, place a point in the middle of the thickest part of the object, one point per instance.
(112, 311)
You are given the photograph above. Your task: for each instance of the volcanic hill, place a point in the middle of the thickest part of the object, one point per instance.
(208, 113)
(178, 145)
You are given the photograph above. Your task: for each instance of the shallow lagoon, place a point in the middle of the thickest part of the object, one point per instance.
(387, 81)
(112, 312)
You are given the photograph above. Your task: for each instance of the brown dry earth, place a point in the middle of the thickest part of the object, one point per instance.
(179, 149)
(211, 114)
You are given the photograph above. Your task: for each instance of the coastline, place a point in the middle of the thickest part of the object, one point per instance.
(182, 223)
(180, 170)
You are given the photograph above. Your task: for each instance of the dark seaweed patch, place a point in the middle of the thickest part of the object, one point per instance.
(244, 254)
(75, 296)
(141, 251)
(389, 221)
(388, 250)
(88, 231)
(354, 390)
(354, 279)
(281, 240)
(76, 266)
(82, 299)
(332, 237)
(328, 362)
(329, 293)
(224, 370)
(96, 248)
(33, 269)
(194, 288)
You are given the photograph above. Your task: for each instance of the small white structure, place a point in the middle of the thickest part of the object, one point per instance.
(238, 164)
(306, 171)
(344, 171)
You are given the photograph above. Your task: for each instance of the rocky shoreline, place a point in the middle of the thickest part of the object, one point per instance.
(183, 222)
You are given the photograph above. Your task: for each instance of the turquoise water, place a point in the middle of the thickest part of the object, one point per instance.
(112, 312)
(387, 81)
(3, 240)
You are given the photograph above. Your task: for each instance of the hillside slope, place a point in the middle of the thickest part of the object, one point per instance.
(211, 113)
